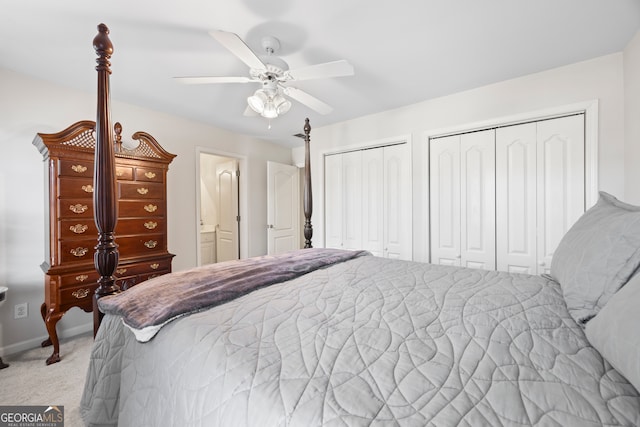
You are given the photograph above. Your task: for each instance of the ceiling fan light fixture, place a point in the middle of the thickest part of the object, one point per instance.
(281, 103)
(258, 101)
(267, 104)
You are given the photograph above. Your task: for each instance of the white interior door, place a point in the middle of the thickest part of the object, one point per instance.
(372, 201)
(516, 198)
(397, 202)
(283, 208)
(333, 201)
(561, 192)
(444, 182)
(227, 247)
(478, 200)
(352, 199)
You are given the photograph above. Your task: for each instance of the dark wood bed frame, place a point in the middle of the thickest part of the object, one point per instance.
(105, 200)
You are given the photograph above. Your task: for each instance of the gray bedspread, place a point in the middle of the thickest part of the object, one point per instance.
(146, 308)
(366, 342)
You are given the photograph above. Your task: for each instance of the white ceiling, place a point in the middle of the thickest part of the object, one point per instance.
(403, 51)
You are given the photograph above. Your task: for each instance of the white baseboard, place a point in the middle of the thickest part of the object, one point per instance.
(35, 342)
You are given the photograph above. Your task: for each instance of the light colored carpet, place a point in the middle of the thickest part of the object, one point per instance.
(28, 381)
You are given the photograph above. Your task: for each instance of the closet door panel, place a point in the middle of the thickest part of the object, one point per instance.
(372, 201)
(444, 182)
(333, 201)
(516, 198)
(477, 200)
(352, 199)
(397, 202)
(561, 200)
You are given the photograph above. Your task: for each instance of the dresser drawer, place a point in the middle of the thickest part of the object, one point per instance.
(81, 296)
(146, 267)
(71, 188)
(79, 227)
(149, 174)
(139, 226)
(124, 173)
(83, 278)
(77, 250)
(140, 190)
(77, 168)
(75, 208)
(141, 245)
(149, 208)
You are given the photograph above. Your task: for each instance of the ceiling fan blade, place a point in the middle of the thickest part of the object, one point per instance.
(208, 80)
(239, 48)
(321, 71)
(308, 100)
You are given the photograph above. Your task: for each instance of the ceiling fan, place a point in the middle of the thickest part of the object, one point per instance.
(274, 76)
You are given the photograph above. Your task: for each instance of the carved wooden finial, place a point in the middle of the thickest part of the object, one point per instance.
(118, 130)
(104, 48)
(307, 128)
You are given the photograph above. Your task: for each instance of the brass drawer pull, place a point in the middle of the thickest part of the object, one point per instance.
(151, 225)
(150, 175)
(151, 208)
(80, 293)
(79, 168)
(121, 270)
(79, 228)
(87, 188)
(151, 244)
(154, 266)
(81, 278)
(79, 252)
(142, 191)
(78, 208)
(119, 172)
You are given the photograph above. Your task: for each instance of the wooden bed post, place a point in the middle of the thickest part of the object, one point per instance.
(105, 203)
(308, 198)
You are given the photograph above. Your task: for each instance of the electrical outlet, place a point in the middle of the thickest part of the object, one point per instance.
(20, 310)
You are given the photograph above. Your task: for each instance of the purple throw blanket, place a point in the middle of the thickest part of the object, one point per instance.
(146, 307)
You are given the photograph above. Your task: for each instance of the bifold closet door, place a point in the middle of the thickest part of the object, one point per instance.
(462, 200)
(373, 201)
(333, 196)
(397, 202)
(444, 200)
(539, 190)
(478, 200)
(561, 183)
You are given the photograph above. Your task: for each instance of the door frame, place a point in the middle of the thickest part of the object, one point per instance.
(242, 199)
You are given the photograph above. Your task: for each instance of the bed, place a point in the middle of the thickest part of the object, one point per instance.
(332, 337)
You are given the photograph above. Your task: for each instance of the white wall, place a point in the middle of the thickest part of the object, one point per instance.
(598, 79)
(29, 106)
(632, 120)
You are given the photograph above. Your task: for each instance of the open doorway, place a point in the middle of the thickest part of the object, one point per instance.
(218, 208)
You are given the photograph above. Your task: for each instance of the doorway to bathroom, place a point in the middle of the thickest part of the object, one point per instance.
(219, 208)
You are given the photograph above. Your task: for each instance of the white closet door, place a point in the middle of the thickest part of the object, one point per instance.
(516, 198)
(397, 202)
(333, 201)
(373, 201)
(444, 182)
(352, 200)
(477, 200)
(560, 146)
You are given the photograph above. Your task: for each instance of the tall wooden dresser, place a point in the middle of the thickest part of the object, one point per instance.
(141, 231)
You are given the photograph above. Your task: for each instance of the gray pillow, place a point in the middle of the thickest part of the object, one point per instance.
(597, 256)
(614, 331)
